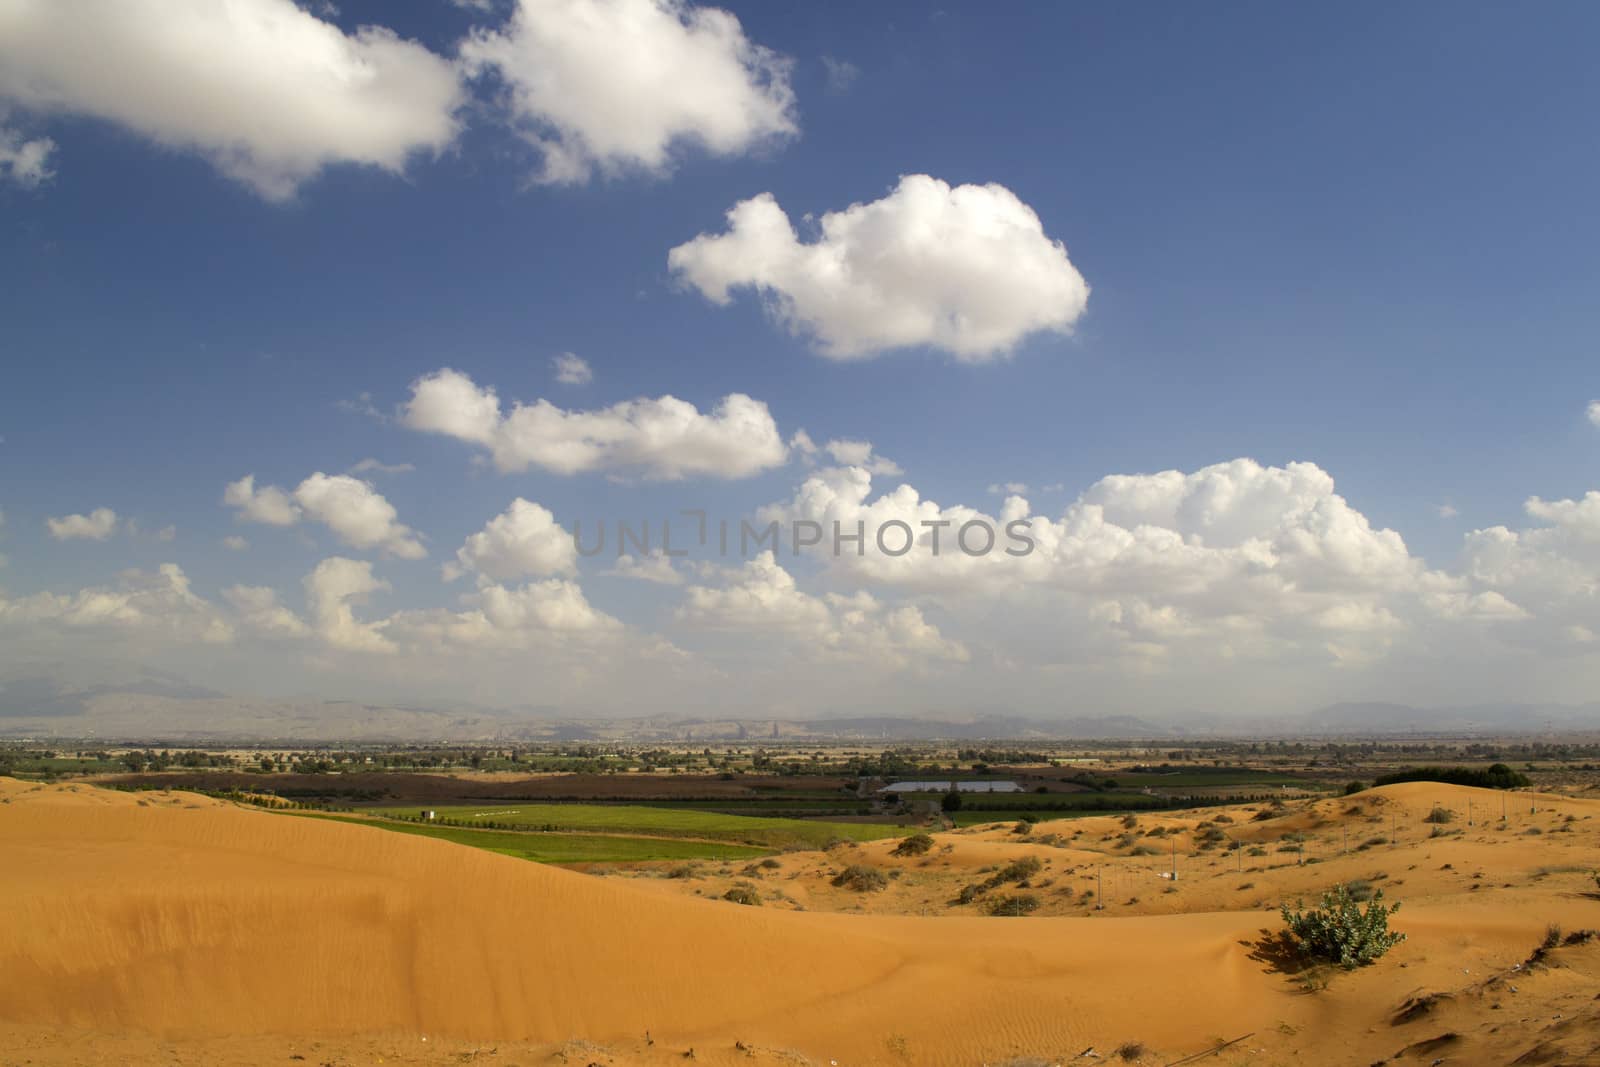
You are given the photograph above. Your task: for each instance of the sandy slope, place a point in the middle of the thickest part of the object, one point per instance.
(158, 927)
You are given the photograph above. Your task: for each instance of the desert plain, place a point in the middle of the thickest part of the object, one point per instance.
(174, 928)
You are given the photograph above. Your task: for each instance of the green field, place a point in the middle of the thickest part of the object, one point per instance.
(564, 848)
(761, 833)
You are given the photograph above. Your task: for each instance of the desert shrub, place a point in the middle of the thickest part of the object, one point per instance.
(1341, 931)
(771, 864)
(861, 878)
(1144, 850)
(1016, 871)
(1352, 788)
(969, 893)
(1255, 850)
(1130, 821)
(683, 870)
(743, 893)
(1023, 827)
(1130, 1051)
(1439, 815)
(915, 845)
(1224, 817)
(1374, 842)
(1014, 904)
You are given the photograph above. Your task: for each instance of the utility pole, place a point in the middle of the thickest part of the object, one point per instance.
(1100, 874)
(1174, 860)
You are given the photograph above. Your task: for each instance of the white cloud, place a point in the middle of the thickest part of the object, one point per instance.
(98, 525)
(968, 270)
(616, 85)
(269, 505)
(1594, 412)
(265, 90)
(860, 454)
(259, 610)
(236, 543)
(552, 612)
(356, 512)
(1008, 488)
(1243, 556)
(1447, 511)
(333, 591)
(141, 602)
(762, 598)
(523, 540)
(374, 466)
(663, 438)
(25, 162)
(572, 369)
(842, 74)
(654, 567)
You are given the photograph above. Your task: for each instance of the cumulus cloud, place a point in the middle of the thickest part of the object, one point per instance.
(333, 591)
(25, 162)
(614, 86)
(1241, 555)
(1594, 412)
(968, 270)
(860, 454)
(1551, 570)
(264, 89)
(259, 610)
(269, 504)
(572, 369)
(663, 438)
(141, 602)
(523, 540)
(552, 612)
(357, 513)
(653, 567)
(98, 525)
(763, 598)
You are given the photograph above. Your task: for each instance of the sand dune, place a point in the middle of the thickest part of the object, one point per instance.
(159, 922)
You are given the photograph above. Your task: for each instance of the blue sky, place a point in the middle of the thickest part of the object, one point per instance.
(1359, 237)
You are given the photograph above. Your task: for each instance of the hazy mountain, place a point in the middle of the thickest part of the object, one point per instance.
(133, 703)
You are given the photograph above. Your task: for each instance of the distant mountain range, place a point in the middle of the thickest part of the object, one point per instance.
(154, 707)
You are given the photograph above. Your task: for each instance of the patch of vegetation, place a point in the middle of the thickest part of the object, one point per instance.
(1440, 815)
(743, 893)
(759, 831)
(1013, 904)
(915, 845)
(1497, 776)
(560, 848)
(1340, 931)
(861, 878)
